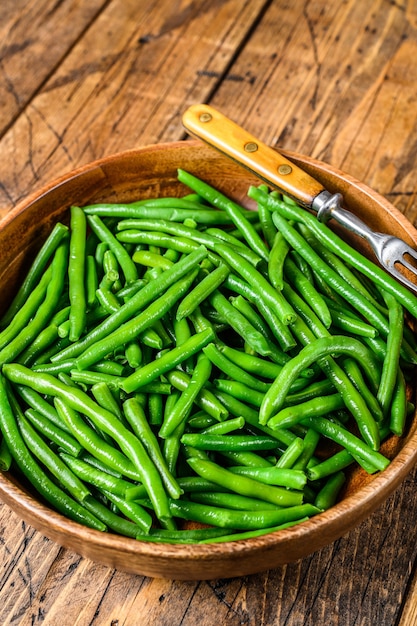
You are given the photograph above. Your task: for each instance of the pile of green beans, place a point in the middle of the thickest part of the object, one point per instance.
(185, 370)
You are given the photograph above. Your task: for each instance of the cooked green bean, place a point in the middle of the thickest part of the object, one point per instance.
(240, 520)
(201, 291)
(166, 362)
(52, 493)
(76, 274)
(244, 485)
(36, 270)
(220, 201)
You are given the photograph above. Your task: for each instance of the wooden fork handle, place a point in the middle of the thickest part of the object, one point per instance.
(214, 128)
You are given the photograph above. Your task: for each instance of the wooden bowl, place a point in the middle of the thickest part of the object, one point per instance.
(150, 172)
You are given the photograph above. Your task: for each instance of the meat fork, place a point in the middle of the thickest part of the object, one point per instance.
(217, 130)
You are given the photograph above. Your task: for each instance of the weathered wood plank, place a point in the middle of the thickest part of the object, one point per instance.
(124, 85)
(35, 36)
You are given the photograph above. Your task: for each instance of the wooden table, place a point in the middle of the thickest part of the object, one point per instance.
(81, 79)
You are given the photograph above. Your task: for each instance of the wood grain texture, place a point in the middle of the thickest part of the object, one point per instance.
(122, 85)
(35, 36)
(333, 80)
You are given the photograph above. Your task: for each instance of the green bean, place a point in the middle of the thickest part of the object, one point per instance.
(28, 309)
(79, 401)
(310, 443)
(41, 449)
(105, 398)
(179, 237)
(91, 280)
(5, 456)
(182, 331)
(225, 427)
(290, 478)
(135, 415)
(308, 291)
(333, 464)
(53, 494)
(171, 209)
(267, 225)
(36, 270)
(104, 234)
(240, 324)
(127, 292)
(172, 444)
(251, 416)
(291, 415)
(107, 300)
(205, 400)
(244, 485)
(220, 201)
(327, 495)
(114, 522)
(228, 443)
(246, 309)
(166, 362)
(37, 402)
(247, 458)
(240, 520)
(240, 391)
(314, 389)
(101, 465)
(201, 291)
(291, 454)
(132, 510)
(392, 358)
(94, 443)
(54, 433)
(344, 320)
(277, 257)
(398, 406)
(151, 259)
(353, 371)
(353, 444)
(185, 536)
(133, 353)
(231, 369)
(341, 287)
(252, 363)
(76, 274)
(96, 477)
(340, 267)
(155, 409)
(251, 534)
(185, 403)
(44, 340)
(111, 279)
(234, 501)
(275, 397)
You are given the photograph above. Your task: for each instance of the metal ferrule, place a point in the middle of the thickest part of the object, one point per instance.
(325, 203)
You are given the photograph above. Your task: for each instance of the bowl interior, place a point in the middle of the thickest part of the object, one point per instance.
(152, 172)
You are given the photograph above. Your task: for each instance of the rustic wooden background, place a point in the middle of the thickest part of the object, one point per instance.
(81, 79)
